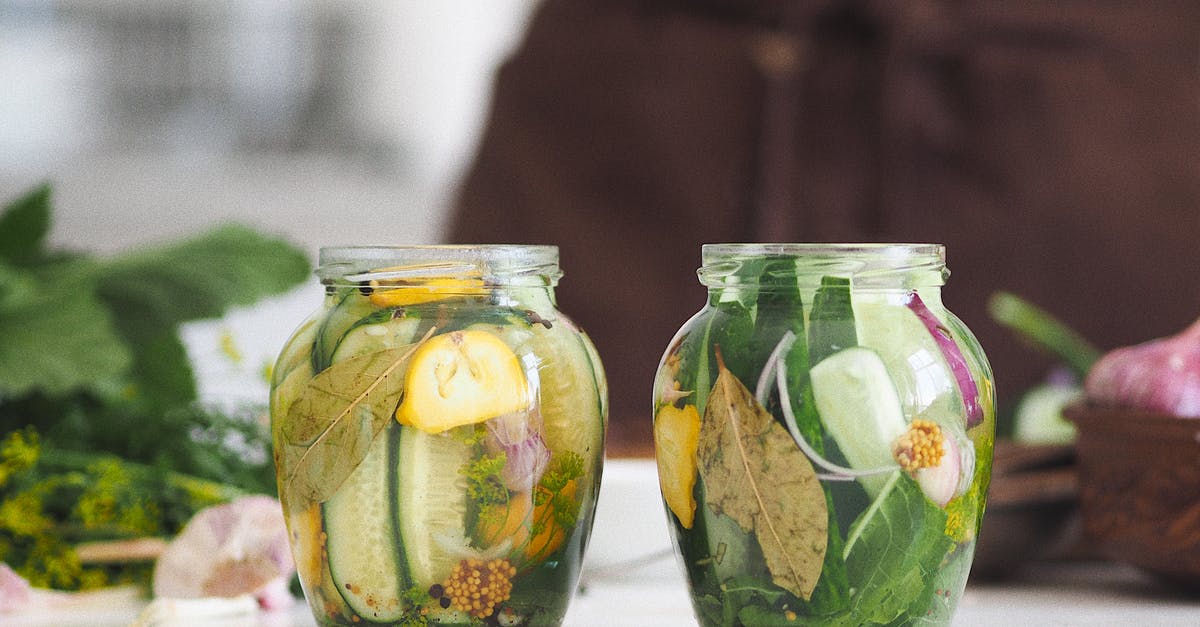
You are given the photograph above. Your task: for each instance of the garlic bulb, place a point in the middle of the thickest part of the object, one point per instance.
(228, 550)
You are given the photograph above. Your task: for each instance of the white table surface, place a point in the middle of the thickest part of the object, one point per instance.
(630, 578)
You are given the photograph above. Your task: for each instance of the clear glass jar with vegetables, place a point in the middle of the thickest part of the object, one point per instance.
(823, 431)
(439, 432)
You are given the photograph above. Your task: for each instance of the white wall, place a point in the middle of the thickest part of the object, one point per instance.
(404, 90)
(325, 121)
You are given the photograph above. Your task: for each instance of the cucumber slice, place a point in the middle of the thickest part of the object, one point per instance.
(922, 377)
(350, 311)
(572, 391)
(364, 561)
(573, 410)
(859, 406)
(431, 501)
(298, 350)
(373, 337)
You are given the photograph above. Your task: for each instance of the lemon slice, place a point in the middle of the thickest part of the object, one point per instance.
(462, 378)
(676, 437)
(405, 293)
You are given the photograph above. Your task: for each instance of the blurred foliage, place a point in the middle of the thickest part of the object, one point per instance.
(101, 436)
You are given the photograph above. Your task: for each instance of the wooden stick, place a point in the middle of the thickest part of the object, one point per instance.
(119, 551)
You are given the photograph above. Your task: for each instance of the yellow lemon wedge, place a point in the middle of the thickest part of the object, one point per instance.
(392, 293)
(462, 378)
(676, 437)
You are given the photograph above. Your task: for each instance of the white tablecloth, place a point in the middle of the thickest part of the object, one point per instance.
(630, 578)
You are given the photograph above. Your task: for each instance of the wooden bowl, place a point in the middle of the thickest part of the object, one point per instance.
(1139, 476)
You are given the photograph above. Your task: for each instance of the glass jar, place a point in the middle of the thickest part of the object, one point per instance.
(439, 432)
(823, 429)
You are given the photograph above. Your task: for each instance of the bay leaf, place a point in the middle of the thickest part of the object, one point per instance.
(754, 473)
(330, 427)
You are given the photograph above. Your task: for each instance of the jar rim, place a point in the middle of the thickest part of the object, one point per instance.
(502, 264)
(868, 264)
(818, 248)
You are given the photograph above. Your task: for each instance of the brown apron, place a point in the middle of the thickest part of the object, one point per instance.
(1054, 147)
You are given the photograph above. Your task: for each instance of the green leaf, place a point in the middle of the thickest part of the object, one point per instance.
(754, 473)
(153, 291)
(201, 277)
(16, 287)
(59, 341)
(894, 552)
(732, 330)
(23, 226)
(831, 323)
(780, 309)
(329, 429)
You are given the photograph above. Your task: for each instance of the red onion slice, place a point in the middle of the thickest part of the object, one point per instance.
(953, 356)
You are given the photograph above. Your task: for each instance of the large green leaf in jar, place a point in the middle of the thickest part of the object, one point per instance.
(329, 428)
(754, 473)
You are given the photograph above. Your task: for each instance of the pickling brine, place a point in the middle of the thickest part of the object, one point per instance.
(823, 431)
(439, 432)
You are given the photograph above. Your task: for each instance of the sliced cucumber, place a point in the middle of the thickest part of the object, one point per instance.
(569, 379)
(298, 350)
(573, 408)
(353, 309)
(364, 559)
(923, 380)
(431, 502)
(860, 408)
(373, 337)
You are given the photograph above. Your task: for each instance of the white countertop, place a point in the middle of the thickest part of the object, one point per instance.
(631, 578)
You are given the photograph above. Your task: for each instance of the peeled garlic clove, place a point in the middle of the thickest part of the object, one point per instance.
(943, 482)
(227, 550)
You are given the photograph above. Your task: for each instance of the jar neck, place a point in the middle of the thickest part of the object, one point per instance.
(495, 265)
(883, 267)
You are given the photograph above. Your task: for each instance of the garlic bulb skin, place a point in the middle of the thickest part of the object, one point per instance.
(228, 550)
(1161, 375)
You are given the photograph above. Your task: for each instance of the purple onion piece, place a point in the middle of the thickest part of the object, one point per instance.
(1161, 375)
(953, 356)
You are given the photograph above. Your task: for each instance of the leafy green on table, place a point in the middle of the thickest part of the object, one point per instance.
(91, 360)
(754, 473)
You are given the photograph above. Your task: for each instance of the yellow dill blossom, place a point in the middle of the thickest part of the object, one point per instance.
(18, 452)
(229, 347)
(22, 515)
(922, 446)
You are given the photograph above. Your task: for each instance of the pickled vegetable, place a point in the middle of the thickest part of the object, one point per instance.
(439, 454)
(823, 441)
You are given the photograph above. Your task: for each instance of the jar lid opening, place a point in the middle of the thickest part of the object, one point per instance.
(499, 264)
(882, 265)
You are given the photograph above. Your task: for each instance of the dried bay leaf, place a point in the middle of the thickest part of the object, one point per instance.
(754, 473)
(330, 427)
